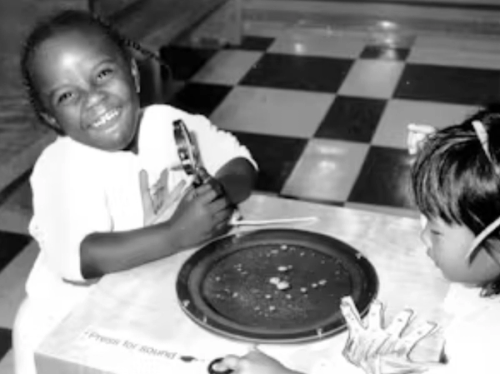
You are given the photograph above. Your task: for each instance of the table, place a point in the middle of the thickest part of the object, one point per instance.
(132, 323)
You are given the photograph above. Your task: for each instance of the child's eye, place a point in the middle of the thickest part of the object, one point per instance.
(104, 73)
(436, 233)
(65, 97)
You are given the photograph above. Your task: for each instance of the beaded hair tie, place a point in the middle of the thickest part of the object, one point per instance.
(482, 135)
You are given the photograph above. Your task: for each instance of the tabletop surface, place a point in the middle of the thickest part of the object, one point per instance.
(132, 323)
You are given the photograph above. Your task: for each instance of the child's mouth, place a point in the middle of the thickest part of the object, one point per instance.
(106, 120)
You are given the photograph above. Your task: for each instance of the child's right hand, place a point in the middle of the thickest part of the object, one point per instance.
(254, 362)
(201, 215)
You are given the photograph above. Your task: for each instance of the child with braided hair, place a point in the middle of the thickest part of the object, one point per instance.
(94, 210)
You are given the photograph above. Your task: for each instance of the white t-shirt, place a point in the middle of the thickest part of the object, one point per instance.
(472, 336)
(79, 190)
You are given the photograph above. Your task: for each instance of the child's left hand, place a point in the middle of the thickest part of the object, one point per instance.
(204, 177)
(254, 362)
(378, 350)
(216, 185)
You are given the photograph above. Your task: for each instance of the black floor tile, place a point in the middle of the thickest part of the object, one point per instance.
(449, 84)
(200, 98)
(148, 82)
(11, 244)
(352, 119)
(384, 53)
(254, 43)
(298, 72)
(5, 341)
(384, 179)
(276, 157)
(185, 62)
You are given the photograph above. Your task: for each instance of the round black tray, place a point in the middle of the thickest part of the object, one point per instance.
(275, 285)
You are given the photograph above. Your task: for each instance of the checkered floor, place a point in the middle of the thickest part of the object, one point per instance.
(324, 113)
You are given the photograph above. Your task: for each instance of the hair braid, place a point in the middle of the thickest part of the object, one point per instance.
(132, 44)
(28, 47)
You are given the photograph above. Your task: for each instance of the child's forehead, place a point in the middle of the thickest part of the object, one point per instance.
(72, 51)
(90, 41)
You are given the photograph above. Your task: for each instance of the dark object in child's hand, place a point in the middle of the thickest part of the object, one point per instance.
(212, 369)
(190, 158)
(189, 154)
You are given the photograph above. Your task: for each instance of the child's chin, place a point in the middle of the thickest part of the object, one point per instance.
(120, 141)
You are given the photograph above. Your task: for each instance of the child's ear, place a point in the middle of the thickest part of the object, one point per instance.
(48, 118)
(51, 121)
(136, 76)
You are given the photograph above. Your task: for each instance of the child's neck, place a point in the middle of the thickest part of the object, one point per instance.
(134, 144)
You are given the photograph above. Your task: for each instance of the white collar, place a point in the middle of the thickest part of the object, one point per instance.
(462, 300)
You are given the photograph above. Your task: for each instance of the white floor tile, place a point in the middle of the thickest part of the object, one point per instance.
(227, 67)
(309, 44)
(272, 111)
(327, 170)
(372, 78)
(392, 128)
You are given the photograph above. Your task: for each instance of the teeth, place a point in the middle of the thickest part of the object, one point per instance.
(105, 118)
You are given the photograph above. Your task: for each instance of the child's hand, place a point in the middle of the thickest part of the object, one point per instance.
(201, 215)
(158, 204)
(417, 135)
(255, 362)
(376, 349)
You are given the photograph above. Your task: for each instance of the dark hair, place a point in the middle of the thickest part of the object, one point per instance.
(70, 20)
(454, 179)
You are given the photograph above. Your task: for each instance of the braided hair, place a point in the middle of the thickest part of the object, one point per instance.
(64, 21)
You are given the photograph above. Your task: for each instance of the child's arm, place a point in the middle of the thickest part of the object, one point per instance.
(224, 158)
(200, 216)
(254, 362)
(237, 178)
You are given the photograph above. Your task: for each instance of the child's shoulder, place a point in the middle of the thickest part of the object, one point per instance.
(164, 112)
(52, 154)
(64, 158)
(157, 123)
(161, 114)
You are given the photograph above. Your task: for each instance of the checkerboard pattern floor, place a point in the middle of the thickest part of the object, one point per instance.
(324, 113)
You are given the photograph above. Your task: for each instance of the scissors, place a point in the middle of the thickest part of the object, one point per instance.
(211, 369)
(189, 154)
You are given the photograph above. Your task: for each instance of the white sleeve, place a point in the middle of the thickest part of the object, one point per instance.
(216, 146)
(67, 207)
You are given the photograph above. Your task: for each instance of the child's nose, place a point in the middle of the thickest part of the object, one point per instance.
(94, 97)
